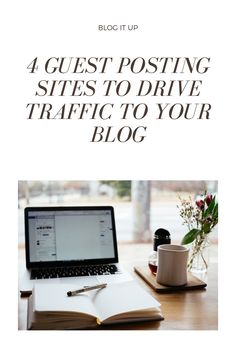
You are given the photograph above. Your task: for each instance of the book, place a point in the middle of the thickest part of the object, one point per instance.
(49, 307)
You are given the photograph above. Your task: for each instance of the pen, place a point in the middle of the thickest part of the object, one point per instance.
(86, 288)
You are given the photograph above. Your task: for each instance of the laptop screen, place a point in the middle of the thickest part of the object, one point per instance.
(75, 235)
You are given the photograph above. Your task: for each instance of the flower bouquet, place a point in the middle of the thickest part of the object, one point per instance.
(200, 217)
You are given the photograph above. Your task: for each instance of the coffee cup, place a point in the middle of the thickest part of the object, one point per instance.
(172, 265)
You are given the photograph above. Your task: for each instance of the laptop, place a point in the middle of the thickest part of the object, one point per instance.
(72, 244)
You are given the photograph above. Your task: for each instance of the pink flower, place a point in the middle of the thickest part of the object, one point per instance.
(200, 204)
(208, 199)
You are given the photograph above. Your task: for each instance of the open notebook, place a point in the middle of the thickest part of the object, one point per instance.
(49, 307)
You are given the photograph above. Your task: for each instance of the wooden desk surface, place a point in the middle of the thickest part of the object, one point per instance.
(189, 310)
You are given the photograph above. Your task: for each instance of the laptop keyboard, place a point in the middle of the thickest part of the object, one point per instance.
(62, 272)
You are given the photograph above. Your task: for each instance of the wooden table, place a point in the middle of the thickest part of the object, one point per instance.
(188, 310)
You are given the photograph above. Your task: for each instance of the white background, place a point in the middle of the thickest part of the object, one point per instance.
(53, 150)
(70, 241)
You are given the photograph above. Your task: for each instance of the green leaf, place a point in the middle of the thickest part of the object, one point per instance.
(210, 208)
(206, 228)
(190, 236)
(215, 212)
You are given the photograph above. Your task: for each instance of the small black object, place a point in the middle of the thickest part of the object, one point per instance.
(162, 233)
(161, 237)
(69, 293)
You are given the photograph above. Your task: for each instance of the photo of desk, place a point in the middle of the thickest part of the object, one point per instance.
(182, 310)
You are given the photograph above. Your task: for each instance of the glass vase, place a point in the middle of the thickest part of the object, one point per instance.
(199, 255)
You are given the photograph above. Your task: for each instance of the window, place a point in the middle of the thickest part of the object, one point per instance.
(140, 206)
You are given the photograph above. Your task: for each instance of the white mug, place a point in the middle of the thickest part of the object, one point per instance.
(172, 265)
